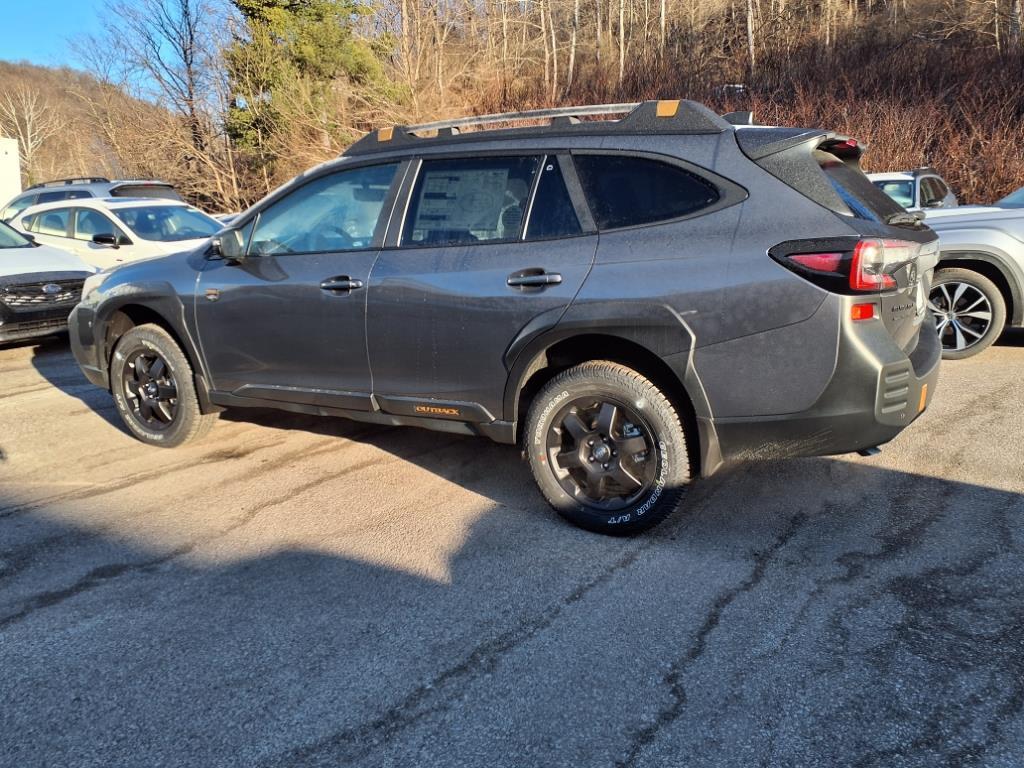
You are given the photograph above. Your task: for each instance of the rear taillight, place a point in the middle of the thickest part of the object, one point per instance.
(849, 266)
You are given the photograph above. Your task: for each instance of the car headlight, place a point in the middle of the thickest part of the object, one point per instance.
(92, 282)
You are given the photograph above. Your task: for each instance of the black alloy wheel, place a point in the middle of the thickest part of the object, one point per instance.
(151, 390)
(603, 453)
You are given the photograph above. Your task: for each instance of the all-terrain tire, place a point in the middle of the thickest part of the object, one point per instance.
(175, 420)
(665, 462)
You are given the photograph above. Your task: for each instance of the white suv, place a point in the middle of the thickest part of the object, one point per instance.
(919, 190)
(109, 232)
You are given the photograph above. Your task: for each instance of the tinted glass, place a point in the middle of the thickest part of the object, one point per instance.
(625, 191)
(552, 213)
(168, 223)
(931, 192)
(900, 191)
(153, 191)
(89, 222)
(1013, 200)
(469, 201)
(53, 223)
(9, 238)
(65, 194)
(333, 213)
(863, 199)
(18, 206)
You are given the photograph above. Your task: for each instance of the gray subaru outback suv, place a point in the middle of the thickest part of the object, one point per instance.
(634, 301)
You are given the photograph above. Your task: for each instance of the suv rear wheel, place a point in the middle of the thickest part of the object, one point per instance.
(153, 388)
(607, 448)
(969, 312)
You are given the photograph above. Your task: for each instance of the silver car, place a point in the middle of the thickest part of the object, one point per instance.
(979, 285)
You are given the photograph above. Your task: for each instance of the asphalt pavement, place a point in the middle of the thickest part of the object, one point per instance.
(295, 591)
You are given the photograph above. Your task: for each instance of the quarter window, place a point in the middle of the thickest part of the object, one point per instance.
(469, 200)
(625, 191)
(333, 213)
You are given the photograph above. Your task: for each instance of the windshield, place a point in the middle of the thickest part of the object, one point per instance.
(1012, 200)
(9, 238)
(168, 223)
(900, 191)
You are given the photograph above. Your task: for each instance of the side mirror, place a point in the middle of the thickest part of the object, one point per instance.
(28, 236)
(229, 245)
(106, 238)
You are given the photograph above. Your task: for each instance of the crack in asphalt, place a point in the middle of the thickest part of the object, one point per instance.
(104, 573)
(430, 698)
(673, 679)
(440, 693)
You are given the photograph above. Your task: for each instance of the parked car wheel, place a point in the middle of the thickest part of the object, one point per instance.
(607, 448)
(153, 388)
(970, 312)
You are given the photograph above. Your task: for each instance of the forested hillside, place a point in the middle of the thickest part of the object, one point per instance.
(229, 99)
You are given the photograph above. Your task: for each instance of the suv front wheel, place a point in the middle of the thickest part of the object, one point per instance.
(153, 389)
(607, 448)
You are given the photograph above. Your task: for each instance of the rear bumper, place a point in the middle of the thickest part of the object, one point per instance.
(876, 391)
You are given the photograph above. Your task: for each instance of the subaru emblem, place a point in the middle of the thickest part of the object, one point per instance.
(51, 288)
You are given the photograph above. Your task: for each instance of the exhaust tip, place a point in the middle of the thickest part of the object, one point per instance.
(869, 451)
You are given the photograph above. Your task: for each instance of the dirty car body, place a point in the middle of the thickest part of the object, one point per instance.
(741, 309)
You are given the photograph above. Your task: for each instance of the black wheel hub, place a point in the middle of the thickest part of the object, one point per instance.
(150, 390)
(602, 452)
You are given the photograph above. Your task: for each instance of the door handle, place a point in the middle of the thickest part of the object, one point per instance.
(533, 278)
(341, 284)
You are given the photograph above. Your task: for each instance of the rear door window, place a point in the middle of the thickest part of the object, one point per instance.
(552, 213)
(53, 223)
(469, 200)
(625, 191)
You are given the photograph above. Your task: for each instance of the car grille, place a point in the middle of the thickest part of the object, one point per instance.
(41, 294)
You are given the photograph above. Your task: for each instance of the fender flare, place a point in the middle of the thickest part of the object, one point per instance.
(657, 329)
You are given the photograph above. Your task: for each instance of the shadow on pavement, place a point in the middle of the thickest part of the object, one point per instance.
(813, 612)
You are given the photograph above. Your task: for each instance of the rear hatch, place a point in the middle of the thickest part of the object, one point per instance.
(892, 257)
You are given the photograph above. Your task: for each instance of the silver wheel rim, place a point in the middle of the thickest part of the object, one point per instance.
(963, 315)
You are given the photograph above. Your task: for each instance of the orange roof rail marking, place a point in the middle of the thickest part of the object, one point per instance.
(668, 108)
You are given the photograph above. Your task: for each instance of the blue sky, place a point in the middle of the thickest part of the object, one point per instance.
(39, 30)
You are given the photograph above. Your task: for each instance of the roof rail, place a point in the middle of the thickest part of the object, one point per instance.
(666, 116)
(69, 182)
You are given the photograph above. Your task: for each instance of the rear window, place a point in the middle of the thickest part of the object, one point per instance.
(149, 191)
(625, 191)
(863, 199)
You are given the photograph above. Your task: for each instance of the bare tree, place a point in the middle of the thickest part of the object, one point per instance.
(27, 117)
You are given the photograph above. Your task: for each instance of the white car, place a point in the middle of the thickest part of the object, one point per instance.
(108, 232)
(38, 286)
(922, 189)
